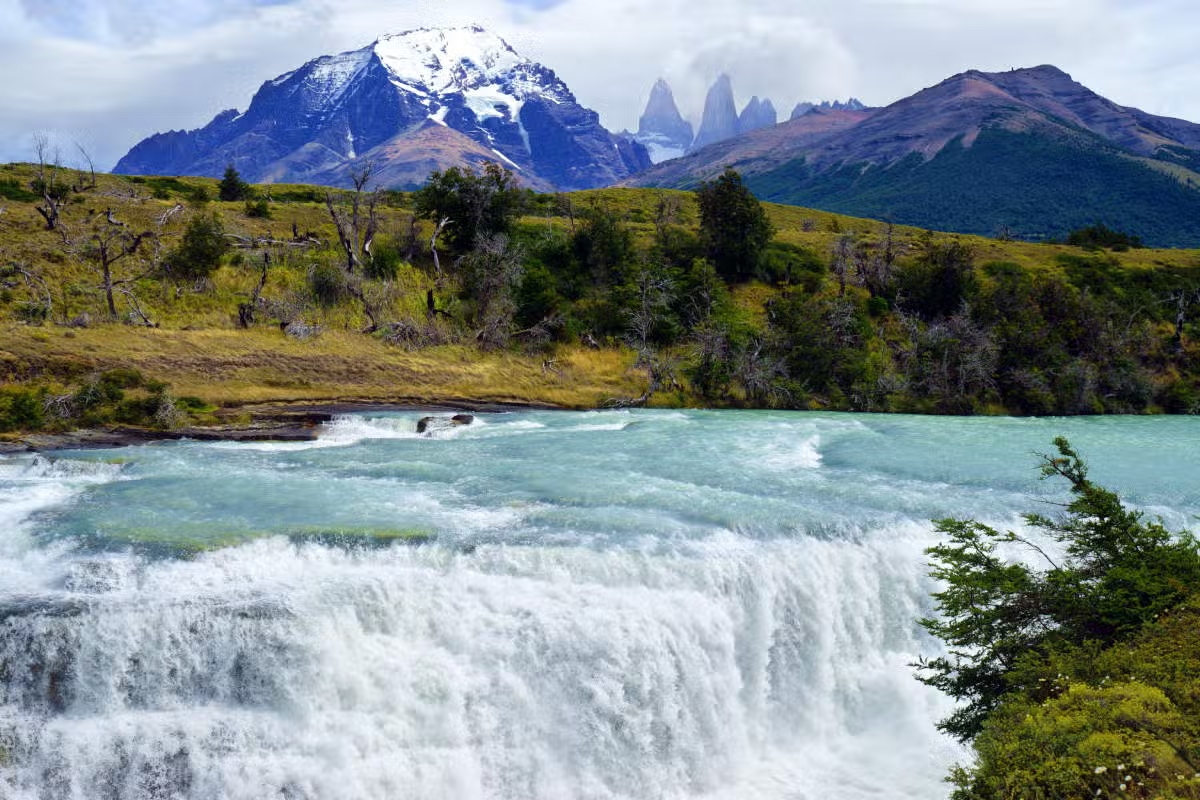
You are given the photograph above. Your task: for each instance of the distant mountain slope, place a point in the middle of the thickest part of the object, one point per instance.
(318, 122)
(751, 153)
(1031, 151)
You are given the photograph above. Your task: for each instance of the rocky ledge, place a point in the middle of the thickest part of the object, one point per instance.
(277, 423)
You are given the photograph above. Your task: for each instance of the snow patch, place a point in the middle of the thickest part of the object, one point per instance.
(447, 60)
(331, 76)
(515, 165)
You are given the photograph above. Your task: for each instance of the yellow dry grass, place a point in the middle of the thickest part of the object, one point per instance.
(230, 367)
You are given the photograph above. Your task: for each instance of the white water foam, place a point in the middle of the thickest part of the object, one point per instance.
(30, 485)
(725, 668)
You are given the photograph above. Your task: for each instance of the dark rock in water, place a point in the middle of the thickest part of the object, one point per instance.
(428, 425)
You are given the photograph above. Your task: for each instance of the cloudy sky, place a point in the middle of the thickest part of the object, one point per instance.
(105, 73)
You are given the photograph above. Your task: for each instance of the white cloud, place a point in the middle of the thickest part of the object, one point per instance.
(108, 72)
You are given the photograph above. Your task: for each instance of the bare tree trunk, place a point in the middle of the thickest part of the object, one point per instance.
(48, 183)
(108, 289)
(437, 231)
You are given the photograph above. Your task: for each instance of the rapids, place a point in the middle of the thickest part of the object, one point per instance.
(541, 605)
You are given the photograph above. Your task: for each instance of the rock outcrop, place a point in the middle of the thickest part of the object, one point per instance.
(853, 104)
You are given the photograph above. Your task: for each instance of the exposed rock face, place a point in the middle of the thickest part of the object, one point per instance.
(662, 129)
(853, 104)
(720, 121)
(317, 123)
(756, 115)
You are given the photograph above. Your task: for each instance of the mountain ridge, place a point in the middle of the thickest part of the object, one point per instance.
(1034, 122)
(319, 122)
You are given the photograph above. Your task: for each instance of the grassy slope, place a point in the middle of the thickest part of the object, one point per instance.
(1039, 187)
(200, 351)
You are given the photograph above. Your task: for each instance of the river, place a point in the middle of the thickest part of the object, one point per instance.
(624, 604)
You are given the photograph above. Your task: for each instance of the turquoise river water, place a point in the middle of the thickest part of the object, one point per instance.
(541, 605)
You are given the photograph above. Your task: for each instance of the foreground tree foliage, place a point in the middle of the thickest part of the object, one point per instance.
(1038, 642)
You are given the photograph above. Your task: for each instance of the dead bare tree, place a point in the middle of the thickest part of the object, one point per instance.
(246, 310)
(666, 212)
(843, 257)
(1184, 301)
(357, 227)
(47, 183)
(91, 170)
(654, 296)
(105, 247)
(167, 215)
(442, 224)
(490, 274)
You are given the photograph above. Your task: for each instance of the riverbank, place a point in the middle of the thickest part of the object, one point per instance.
(292, 422)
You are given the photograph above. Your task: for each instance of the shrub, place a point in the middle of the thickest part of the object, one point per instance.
(258, 209)
(384, 263)
(21, 409)
(327, 284)
(199, 252)
(1001, 619)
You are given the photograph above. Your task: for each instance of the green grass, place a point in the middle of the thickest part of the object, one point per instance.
(199, 350)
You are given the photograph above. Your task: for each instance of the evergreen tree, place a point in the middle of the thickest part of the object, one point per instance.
(232, 188)
(200, 250)
(733, 226)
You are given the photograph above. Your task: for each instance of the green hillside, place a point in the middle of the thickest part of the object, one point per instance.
(606, 297)
(1036, 187)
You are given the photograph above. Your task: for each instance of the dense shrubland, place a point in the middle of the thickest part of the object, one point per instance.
(1073, 650)
(717, 299)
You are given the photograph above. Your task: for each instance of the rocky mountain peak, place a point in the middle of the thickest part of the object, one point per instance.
(662, 129)
(720, 120)
(756, 115)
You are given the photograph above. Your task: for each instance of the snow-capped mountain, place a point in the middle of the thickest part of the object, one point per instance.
(409, 103)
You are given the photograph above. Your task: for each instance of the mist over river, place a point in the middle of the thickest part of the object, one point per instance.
(646, 604)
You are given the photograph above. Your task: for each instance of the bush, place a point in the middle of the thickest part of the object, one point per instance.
(199, 252)
(384, 263)
(789, 264)
(1101, 235)
(21, 409)
(258, 209)
(327, 284)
